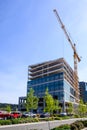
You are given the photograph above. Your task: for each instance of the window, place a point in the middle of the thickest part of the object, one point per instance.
(86, 87)
(47, 79)
(72, 99)
(56, 77)
(67, 97)
(61, 76)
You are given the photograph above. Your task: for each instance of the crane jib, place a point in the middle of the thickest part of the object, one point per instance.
(67, 35)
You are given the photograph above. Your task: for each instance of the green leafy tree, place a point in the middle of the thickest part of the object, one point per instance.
(8, 108)
(82, 108)
(57, 108)
(31, 101)
(49, 102)
(70, 108)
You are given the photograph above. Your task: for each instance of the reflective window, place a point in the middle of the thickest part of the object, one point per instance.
(67, 97)
(86, 87)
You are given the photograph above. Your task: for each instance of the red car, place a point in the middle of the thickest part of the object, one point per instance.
(5, 115)
(16, 114)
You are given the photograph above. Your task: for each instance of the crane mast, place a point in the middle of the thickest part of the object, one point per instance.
(76, 56)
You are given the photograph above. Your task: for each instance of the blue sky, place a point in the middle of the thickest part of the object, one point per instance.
(30, 34)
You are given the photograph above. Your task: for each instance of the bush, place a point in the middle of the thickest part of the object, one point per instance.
(38, 115)
(65, 117)
(51, 118)
(36, 119)
(76, 116)
(84, 123)
(15, 121)
(5, 122)
(78, 125)
(33, 119)
(24, 120)
(57, 118)
(55, 128)
(62, 127)
(47, 119)
(56, 115)
(73, 127)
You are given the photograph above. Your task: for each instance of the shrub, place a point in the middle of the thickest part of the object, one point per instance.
(22, 120)
(56, 115)
(15, 121)
(46, 119)
(84, 123)
(5, 122)
(36, 119)
(76, 116)
(79, 125)
(62, 127)
(51, 118)
(57, 118)
(33, 120)
(38, 115)
(65, 117)
(73, 127)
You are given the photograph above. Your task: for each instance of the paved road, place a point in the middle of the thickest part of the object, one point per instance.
(40, 125)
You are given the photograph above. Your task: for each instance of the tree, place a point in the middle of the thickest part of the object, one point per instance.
(70, 108)
(57, 108)
(8, 108)
(31, 101)
(49, 102)
(82, 108)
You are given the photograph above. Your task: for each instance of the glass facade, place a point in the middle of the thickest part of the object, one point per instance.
(69, 92)
(56, 85)
(83, 91)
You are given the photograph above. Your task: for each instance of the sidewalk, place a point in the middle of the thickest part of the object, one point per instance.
(84, 129)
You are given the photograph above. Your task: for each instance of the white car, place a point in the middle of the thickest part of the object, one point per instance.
(28, 114)
(63, 114)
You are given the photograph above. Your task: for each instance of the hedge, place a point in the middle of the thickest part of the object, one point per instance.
(18, 121)
(78, 125)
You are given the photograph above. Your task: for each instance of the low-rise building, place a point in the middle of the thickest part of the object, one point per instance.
(21, 104)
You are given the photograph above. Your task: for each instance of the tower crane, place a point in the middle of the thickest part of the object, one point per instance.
(76, 56)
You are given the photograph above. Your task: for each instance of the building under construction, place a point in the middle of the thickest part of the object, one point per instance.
(58, 77)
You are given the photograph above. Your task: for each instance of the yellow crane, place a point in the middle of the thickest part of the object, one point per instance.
(76, 56)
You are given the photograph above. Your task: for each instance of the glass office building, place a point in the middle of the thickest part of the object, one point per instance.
(55, 75)
(83, 91)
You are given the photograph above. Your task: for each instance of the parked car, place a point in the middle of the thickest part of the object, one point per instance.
(5, 115)
(28, 114)
(16, 114)
(43, 115)
(63, 114)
